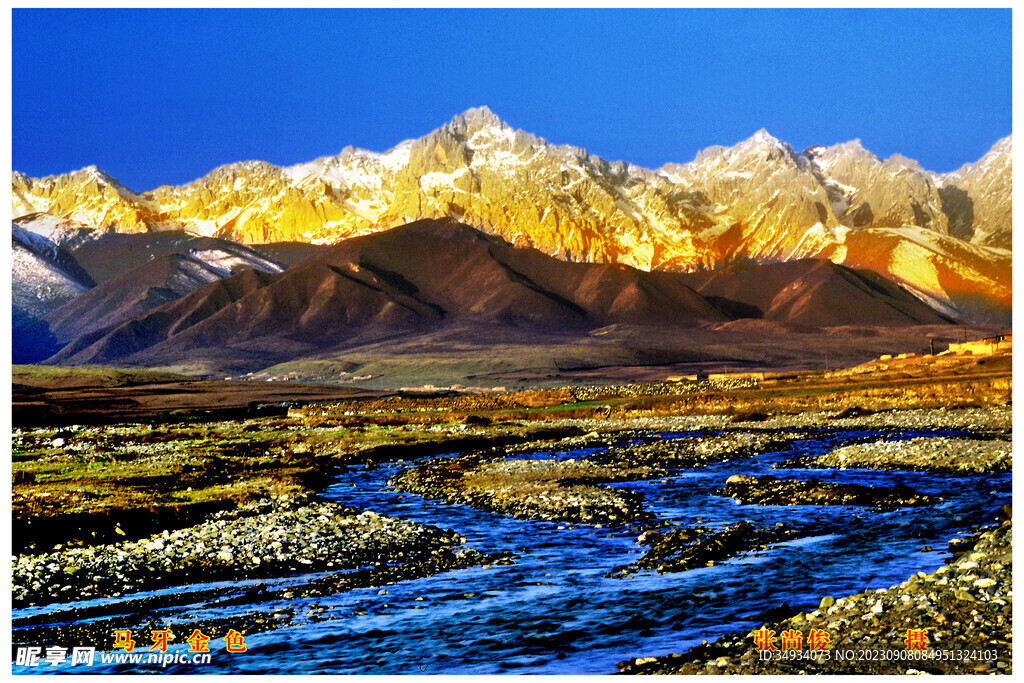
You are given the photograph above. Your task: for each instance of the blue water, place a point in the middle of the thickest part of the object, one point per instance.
(554, 611)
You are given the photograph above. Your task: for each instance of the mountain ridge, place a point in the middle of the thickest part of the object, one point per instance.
(759, 200)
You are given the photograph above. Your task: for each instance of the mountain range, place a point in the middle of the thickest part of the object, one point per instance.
(944, 237)
(479, 251)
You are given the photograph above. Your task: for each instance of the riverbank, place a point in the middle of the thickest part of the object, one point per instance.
(86, 485)
(75, 483)
(337, 549)
(964, 610)
(992, 421)
(934, 454)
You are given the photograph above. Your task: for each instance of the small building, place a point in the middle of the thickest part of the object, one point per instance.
(701, 376)
(984, 347)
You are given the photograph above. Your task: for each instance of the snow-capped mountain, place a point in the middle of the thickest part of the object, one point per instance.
(63, 232)
(758, 200)
(88, 196)
(845, 204)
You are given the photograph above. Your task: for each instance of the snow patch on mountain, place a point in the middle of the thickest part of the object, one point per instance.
(43, 276)
(397, 157)
(224, 262)
(436, 181)
(60, 231)
(489, 136)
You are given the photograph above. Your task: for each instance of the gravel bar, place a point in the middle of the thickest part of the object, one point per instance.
(769, 490)
(993, 418)
(547, 490)
(693, 547)
(258, 540)
(96, 624)
(934, 454)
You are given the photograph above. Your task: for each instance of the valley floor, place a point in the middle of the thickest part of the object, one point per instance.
(132, 486)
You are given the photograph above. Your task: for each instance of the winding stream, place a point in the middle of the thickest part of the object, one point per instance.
(554, 611)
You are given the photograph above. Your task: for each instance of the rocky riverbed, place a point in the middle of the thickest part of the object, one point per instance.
(621, 444)
(994, 419)
(87, 626)
(936, 454)
(697, 451)
(964, 609)
(769, 490)
(700, 546)
(549, 490)
(568, 496)
(260, 539)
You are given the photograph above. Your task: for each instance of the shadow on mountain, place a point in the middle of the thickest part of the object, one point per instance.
(959, 207)
(735, 309)
(31, 339)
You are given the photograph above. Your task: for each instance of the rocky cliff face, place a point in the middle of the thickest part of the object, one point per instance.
(978, 198)
(88, 196)
(759, 200)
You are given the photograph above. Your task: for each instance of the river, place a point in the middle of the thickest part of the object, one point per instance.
(555, 612)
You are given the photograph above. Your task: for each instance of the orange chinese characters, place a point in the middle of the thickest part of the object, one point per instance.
(235, 641)
(817, 639)
(160, 639)
(198, 642)
(792, 639)
(917, 639)
(124, 640)
(764, 639)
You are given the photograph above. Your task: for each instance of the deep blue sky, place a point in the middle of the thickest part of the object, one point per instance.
(163, 96)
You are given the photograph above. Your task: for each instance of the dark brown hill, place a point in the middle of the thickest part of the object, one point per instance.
(119, 299)
(810, 292)
(115, 254)
(439, 275)
(469, 274)
(290, 253)
(411, 278)
(160, 280)
(164, 322)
